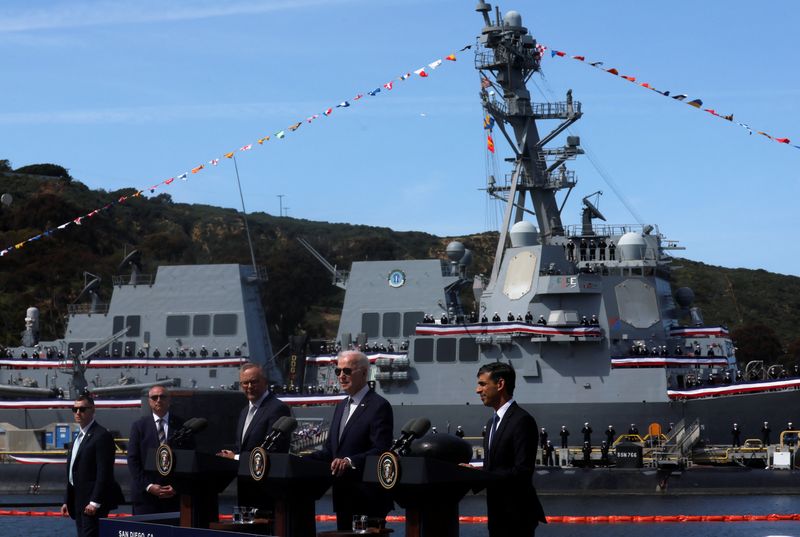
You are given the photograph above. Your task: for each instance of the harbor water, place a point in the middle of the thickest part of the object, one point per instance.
(554, 505)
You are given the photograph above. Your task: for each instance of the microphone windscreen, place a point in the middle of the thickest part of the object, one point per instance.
(197, 425)
(285, 425)
(420, 427)
(407, 428)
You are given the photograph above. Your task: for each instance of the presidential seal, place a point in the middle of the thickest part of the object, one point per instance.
(259, 464)
(164, 459)
(388, 470)
(396, 278)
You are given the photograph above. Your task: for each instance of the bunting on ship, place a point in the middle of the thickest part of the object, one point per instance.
(668, 361)
(126, 363)
(696, 331)
(507, 328)
(734, 389)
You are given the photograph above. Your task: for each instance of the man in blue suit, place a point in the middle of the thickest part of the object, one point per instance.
(150, 491)
(91, 489)
(362, 425)
(255, 422)
(510, 454)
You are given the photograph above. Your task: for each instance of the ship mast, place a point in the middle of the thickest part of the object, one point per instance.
(506, 58)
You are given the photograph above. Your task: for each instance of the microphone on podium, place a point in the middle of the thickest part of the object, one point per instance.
(413, 429)
(190, 427)
(283, 426)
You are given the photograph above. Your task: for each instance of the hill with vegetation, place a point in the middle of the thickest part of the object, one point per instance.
(761, 308)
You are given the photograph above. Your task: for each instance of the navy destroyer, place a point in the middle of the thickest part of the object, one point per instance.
(585, 313)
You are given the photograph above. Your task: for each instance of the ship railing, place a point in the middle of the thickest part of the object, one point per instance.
(130, 279)
(608, 230)
(73, 309)
(556, 180)
(560, 110)
(486, 58)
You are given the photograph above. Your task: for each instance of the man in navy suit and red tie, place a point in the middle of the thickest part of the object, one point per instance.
(362, 425)
(255, 422)
(150, 491)
(510, 454)
(91, 489)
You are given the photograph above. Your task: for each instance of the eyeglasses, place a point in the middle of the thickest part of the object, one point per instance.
(249, 382)
(159, 396)
(77, 409)
(346, 370)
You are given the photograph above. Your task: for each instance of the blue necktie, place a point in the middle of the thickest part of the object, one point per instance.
(495, 421)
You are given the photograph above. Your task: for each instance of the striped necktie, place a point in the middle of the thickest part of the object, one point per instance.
(162, 434)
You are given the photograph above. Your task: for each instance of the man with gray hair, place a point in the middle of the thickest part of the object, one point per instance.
(361, 426)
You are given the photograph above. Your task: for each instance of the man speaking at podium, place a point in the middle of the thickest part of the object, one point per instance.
(510, 454)
(255, 422)
(361, 426)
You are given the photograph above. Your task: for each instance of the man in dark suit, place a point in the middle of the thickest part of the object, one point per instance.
(255, 422)
(151, 492)
(91, 489)
(510, 454)
(362, 425)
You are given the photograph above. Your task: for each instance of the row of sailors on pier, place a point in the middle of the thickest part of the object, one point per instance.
(591, 250)
(528, 319)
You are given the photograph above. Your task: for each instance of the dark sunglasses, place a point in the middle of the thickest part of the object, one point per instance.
(157, 397)
(346, 370)
(81, 409)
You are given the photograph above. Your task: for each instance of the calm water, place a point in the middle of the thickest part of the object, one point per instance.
(554, 505)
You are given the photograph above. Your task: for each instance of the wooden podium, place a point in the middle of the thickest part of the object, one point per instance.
(199, 478)
(294, 483)
(429, 490)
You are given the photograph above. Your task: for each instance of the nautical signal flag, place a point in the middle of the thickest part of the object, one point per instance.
(488, 122)
(489, 143)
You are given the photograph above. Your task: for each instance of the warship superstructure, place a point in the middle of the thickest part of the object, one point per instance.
(585, 314)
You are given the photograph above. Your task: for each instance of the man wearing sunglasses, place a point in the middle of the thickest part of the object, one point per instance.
(362, 425)
(150, 491)
(91, 489)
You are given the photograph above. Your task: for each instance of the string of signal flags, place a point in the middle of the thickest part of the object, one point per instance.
(681, 97)
(423, 72)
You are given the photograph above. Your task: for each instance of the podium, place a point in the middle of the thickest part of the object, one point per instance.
(198, 478)
(429, 490)
(295, 484)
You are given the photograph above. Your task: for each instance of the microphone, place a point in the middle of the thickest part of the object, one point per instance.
(414, 428)
(283, 426)
(190, 427)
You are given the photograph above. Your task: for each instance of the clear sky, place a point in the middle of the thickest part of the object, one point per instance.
(127, 94)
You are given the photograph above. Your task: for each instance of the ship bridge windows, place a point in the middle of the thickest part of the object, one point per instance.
(201, 325)
(423, 349)
(370, 324)
(467, 350)
(225, 324)
(410, 321)
(391, 324)
(132, 322)
(177, 325)
(446, 350)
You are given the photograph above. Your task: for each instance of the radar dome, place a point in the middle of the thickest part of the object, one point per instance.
(455, 251)
(524, 234)
(684, 296)
(631, 246)
(513, 19)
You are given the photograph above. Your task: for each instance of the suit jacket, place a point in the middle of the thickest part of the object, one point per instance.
(143, 439)
(512, 505)
(268, 412)
(93, 473)
(368, 432)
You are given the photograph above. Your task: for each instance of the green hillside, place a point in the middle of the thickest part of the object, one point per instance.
(762, 308)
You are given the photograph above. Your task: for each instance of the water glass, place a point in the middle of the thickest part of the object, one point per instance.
(360, 523)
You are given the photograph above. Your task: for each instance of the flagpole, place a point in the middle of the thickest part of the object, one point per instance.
(244, 217)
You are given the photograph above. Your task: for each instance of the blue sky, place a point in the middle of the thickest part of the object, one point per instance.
(127, 94)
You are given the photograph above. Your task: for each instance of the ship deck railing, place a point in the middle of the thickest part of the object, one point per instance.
(608, 230)
(73, 309)
(129, 279)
